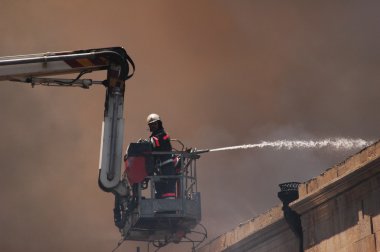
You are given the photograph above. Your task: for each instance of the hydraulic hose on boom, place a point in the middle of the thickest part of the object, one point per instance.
(34, 67)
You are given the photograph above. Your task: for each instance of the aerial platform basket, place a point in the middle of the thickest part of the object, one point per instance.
(152, 219)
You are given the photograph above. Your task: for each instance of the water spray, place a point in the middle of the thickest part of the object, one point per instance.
(334, 143)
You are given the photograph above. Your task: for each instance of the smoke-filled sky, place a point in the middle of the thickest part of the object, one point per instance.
(220, 73)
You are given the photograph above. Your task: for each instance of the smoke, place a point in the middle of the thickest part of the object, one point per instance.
(220, 73)
(337, 144)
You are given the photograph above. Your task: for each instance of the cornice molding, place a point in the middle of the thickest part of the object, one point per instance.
(336, 187)
(259, 237)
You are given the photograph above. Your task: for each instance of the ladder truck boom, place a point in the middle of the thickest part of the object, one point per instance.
(140, 214)
(34, 68)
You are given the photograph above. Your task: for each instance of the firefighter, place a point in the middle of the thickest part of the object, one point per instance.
(160, 141)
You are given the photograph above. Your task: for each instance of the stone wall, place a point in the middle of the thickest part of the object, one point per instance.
(267, 232)
(339, 211)
(347, 222)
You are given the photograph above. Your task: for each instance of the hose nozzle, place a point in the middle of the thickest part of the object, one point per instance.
(200, 151)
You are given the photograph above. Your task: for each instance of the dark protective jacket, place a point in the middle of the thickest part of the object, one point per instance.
(166, 187)
(160, 141)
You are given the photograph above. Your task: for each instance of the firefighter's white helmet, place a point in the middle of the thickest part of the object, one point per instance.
(153, 118)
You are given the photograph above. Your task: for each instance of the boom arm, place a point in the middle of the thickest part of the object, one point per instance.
(34, 67)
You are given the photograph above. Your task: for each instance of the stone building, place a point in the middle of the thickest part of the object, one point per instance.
(336, 211)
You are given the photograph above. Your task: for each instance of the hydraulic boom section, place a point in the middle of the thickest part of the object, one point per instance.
(34, 68)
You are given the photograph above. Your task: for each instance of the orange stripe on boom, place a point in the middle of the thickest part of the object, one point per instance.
(84, 62)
